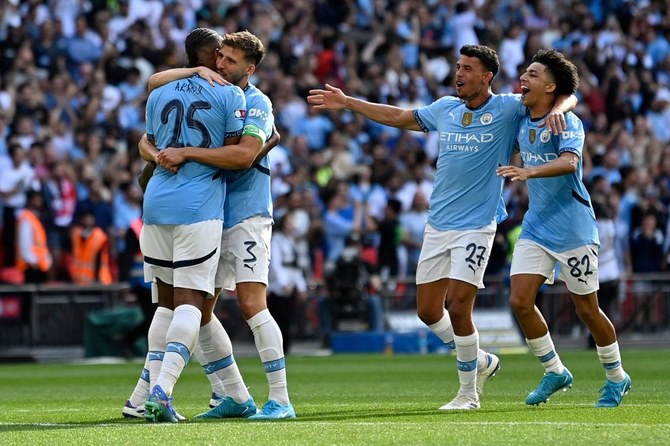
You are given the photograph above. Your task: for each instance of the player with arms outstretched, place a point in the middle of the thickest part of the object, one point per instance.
(477, 130)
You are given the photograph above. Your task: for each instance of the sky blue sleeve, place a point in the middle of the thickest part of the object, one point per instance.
(259, 113)
(236, 106)
(572, 139)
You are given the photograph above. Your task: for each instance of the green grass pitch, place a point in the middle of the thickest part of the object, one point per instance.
(345, 400)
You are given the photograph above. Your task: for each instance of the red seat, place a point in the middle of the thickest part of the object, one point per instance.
(12, 276)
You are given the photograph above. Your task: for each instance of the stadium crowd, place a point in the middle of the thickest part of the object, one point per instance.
(73, 89)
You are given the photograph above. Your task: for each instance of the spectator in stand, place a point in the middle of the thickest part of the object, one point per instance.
(413, 223)
(315, 127)
(32, 253)
(90, 252)
(609, 168)
(85, 45)
(391, 262)
(15, 180)
(363, 190)
(608, 266)
(287, 283)
(60, 196)
(646, 246)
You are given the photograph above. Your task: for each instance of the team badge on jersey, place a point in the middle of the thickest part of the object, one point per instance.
(466, 120)
(532, 135)
(545, 136)
(240, 114)
(486, 118)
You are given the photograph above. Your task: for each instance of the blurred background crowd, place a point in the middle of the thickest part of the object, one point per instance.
(73, 87)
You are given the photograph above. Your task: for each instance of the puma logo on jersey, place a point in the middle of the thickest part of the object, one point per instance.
(251, 267)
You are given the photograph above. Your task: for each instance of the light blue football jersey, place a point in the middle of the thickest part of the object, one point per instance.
(188, 112)
(560, 215)
(473, 143)
(248, 190)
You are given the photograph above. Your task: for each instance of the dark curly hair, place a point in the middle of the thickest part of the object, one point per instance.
(561, 70)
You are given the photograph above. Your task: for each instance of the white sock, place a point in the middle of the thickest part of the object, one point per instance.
(270, 346)
(610, 358)
(141, 391)
(217, 350)
(466, 357)
(215, 383)
(444, 330)
(181, 338)
(544, 349)
(156, 342)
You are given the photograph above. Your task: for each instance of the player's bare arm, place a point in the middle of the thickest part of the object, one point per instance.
(565, 164)
(555, 120)
(333, 98)
(269, 144)
(159, 79)
(239, 154)
(148, 151)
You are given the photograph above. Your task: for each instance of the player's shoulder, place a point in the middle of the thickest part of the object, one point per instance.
(231, 90)
(256, 98)
(505, 98)
(448, 101)
(444, 104)
(573, 121)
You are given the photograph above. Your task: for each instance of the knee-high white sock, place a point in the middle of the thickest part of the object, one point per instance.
(221, 367)
(181, 338)
(544, 349)
(610, 358)
(156, 342)
(270, 346)
(214, 382)
(141, 391)
(466, 358)
(444, 330)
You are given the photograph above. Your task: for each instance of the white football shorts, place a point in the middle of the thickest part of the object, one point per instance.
(461, 255)
(578, 267)
(245, 253)
(184, 256)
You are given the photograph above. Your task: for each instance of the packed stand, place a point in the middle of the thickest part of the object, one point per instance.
(74, 86)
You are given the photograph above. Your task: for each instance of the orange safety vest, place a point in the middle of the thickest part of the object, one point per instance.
(85, 252)
(40, 248)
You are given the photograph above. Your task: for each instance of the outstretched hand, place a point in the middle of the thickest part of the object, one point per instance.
(332, 98)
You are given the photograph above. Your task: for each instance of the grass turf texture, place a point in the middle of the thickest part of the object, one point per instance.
(345, 400)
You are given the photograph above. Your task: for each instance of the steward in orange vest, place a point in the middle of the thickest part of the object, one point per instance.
(90, 253)
(32, 252)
